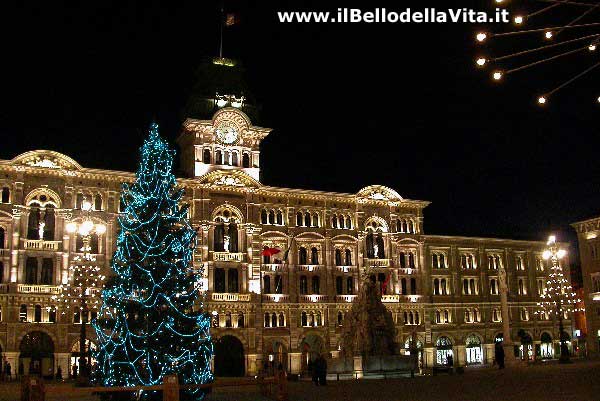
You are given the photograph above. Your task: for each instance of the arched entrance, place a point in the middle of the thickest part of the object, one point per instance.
(311, 347)
(443, 349)
(526, 347)
(229, 357)
(37, 354)
(89, 346)
(276, 353)
(547, 348)
(474, 350)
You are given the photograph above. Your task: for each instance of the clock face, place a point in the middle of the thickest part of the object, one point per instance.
(227, 135)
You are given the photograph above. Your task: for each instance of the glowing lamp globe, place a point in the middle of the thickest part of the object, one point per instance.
(481, 36)
(541, 100)
(518, 19)
(497, 75)
(100, 229)
(481, 61)
(592, 47)
(71, 227)
(548, 34)
(561, 253)
(86, 227)
(86, 206)
(546, 255)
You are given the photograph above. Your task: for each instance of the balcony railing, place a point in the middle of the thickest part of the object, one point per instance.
(312, 298)
(38, 289)
(309, 268)
(377, 262)
(276, 298)
(230, 297)
(390, 298)
(345, 269)
(41, 245)
(3, 288)
(228, 257)
(272, 267)
(345, 298)
(4, 252)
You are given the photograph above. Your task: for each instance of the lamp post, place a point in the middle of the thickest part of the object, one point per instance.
(558, 297)
(85, 275)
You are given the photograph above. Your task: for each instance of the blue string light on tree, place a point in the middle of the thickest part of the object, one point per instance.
(147, 327)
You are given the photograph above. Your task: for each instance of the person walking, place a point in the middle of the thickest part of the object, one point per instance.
(322, 371)
(59, 374)
(21, 369)
(315, 371)
(8, 371)
(500, 355)
(74, 367)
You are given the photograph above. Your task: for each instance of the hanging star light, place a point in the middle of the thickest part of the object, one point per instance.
(549, 32)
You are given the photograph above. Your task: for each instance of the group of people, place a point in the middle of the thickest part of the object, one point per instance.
(319, 371)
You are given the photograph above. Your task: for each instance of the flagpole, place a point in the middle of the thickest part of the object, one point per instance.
(221, 18)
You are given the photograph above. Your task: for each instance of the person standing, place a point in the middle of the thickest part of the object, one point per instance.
(322, 371)
(315, 371)
(8, 371)
(500, 355)
(21, 369)
(59, 374)
(74, 371)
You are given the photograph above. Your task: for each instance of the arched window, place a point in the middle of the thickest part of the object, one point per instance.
(98, 202)
(349, 285)
(31, 270)
(78, 200)
(438, 316)
(410, 227)
(303, 319)
(263, 217)
(315, 220)
(463, 261)
(467, 315)
(493, 287)
(411, 260)
(434, 261)
(37, 314)
(219, 237)
(267, 319)
(219, 280)
(234, 158)
(340, 318)
(267, 284)
(342, 225)
(380, 246)
(303, 285)
(497, 260)
(436, 286)
(5, 195)
(232, 280)
(522, 287)
(279, 218)
(491, 262)
(476, 315)
(2, 238)
(319, 320)
(348, 261)
(338, 257)
(470, 264)
(369, 242)
(307, 219)
(206, 156)
(33, 222)
(240, 320)
(403, 286)
(442, 261)
(472, 285)
(348, 222)
(76, 316)
(314, 256)
(47, 271)
(339, 285)
(271, 217)
(405, 314)
(334, 221)
(303, 256)
(281, 319)
(299, 219)
(413, 286)
(266, 257)
(402, 258)
(219, 157)
(273, 320)
(316, 285)
(233, 237)
(446, 316)
(228, 319)
(417, 320)
(245, 160)
(52, 314)
(23, 313)
(443, 286)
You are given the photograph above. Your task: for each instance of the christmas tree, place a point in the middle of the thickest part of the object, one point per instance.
(147, 327)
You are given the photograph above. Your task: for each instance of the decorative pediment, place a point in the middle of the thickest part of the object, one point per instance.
(229, 178)
(379, 192)
(46, 159)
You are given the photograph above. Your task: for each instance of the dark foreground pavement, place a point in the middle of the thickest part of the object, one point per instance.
(579, 381)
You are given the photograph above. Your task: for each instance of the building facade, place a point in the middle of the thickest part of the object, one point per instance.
(588, 232)
(286, 304)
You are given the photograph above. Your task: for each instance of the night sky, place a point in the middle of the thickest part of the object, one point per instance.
(350, 105)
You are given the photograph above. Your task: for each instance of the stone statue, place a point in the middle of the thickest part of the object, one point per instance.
(41, 229)
(376, 250)
(226, 243)
(368, 328)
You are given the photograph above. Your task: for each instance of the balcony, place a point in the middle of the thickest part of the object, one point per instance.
(230, 297)
(309, 268)
(377, 262)
(345, 269)
(272, 267)
(3, 288)
(390, 298)
(38, 289)
(228, 257)
(312, 298)
(283, 298)
(41, 245)
(345, 298)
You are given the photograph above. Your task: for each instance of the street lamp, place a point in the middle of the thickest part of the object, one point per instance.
(84, 275)
(558, 297)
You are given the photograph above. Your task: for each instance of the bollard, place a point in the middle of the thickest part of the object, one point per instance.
(32, 388)
(170, 388)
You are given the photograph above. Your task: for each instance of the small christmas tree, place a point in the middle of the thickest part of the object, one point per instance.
(147, 327)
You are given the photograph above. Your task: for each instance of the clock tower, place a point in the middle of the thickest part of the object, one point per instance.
(228, 141)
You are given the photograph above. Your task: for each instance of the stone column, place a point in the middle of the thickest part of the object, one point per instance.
(295, 362)
(488, 353)
(62, 359)
(460, 355)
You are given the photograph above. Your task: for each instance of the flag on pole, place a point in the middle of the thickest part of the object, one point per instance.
(385, 283)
